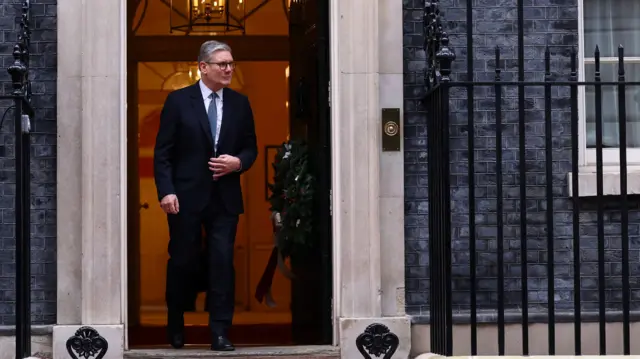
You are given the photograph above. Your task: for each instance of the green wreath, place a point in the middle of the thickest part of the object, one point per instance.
(292, 198)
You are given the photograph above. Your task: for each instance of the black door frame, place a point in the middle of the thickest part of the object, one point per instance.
(311, 119)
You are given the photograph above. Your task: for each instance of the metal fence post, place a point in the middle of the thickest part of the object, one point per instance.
(437, 83)
(23, 112)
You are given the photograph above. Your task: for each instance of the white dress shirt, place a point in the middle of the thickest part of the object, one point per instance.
(206, 92)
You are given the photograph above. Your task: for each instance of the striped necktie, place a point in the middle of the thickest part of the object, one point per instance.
(213, 117)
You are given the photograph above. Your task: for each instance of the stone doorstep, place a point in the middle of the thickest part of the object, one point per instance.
(293, 352)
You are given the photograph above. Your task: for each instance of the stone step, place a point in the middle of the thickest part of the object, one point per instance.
(292, 352)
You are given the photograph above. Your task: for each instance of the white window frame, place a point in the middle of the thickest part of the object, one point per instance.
(587, 177)
(610, 156)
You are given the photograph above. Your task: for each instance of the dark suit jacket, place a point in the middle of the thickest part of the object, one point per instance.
(184, 145)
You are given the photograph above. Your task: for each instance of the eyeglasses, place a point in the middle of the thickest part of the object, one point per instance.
(224, 65)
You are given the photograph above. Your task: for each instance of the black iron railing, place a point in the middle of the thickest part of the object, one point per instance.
(555, 107)
(23, 114)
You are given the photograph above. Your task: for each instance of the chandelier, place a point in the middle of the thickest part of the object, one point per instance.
(207, 16)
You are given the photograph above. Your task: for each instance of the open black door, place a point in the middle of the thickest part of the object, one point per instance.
(310, 120)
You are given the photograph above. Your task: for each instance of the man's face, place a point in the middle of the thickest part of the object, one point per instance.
(219, 69)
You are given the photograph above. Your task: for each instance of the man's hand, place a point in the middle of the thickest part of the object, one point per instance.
(169, 204)
(223, 165)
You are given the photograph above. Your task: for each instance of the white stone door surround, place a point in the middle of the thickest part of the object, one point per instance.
(368, 195)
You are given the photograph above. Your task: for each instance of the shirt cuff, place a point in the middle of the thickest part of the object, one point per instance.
(239, 168)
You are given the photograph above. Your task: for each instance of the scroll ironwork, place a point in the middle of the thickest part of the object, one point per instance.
(439, 55)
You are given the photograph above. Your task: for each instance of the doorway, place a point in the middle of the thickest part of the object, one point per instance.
(159, 62)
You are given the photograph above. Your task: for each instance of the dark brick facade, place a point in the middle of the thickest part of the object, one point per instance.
(547, 22)
(43, 166)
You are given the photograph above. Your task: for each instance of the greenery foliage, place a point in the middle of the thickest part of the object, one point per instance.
(291, 196)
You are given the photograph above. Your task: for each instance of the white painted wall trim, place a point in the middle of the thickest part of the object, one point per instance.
(368, 184)
(588, 177)
(334, 61)
(123, 174)
(68, 167)
(91, 174)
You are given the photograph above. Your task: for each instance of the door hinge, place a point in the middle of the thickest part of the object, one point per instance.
(331, 202)
(329, 92)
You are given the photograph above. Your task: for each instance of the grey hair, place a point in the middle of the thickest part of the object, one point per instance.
(209, 47)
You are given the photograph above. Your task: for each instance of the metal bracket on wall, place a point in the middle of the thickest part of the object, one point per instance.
(87, 343)
(377, 340)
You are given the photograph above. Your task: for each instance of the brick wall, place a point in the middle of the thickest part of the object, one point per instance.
(43, 165)
(552, 22)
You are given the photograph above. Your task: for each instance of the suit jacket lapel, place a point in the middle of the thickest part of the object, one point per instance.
(198, 107)
(227, 108)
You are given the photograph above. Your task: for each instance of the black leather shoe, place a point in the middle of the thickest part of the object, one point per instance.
(176, 340)
(175, 330)
(222, 344)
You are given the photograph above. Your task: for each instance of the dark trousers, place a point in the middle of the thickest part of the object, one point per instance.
(186, 249)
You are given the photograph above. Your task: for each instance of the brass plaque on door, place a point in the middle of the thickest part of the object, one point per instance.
(390, 129)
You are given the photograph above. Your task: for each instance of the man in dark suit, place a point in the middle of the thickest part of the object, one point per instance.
(205, 141)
